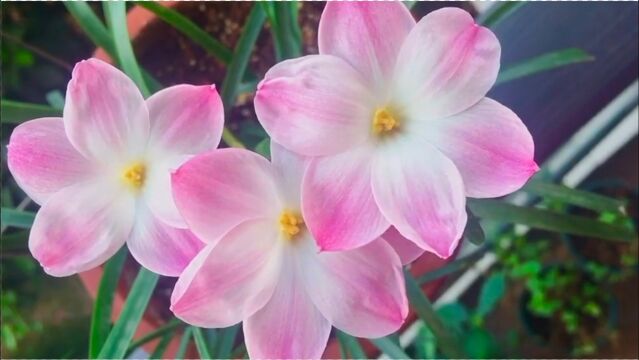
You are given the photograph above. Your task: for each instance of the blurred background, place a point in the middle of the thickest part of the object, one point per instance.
(521, 294)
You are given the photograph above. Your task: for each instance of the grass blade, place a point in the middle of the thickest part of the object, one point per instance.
(350, 346)
(226, 341)
(120, 337)
(184, 343)
(160, 349)
(91, 25)
(549, 220)
(566, 195)
(453, 266)
(169, 327)
(498, 12)
(115, 12)
(200, 343)
(446, 338)
(190, 29)
(16, 112)
(103, 305)
(285, 29)
(16, 218)
(545, 62)
(390, 348)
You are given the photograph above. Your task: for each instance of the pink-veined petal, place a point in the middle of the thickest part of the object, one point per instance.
(105, 113)
(446, 64)
(421, 193)
(185, 119)
(406, 249)
(289, 326)
(490, 146)
(359, 291)
(290, 168)
(157, 189)
(159, 247)
(230, 281)
(218, 190)
(80, 227)
(43, 161)
(314, 105)
(338, 203)
(368, 35)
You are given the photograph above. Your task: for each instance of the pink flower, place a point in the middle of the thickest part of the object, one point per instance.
(262, 266)
(102, 172)
(395, 114)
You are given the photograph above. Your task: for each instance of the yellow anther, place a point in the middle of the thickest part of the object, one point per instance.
(290, 224)
(134, 175)
(384, 121)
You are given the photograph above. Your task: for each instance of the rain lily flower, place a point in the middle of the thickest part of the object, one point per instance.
(395, 115)
(262, 266)
(102, 172)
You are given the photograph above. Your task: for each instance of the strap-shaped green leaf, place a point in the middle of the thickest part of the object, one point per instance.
(16, 112)
(581, 198)
(17, 218)
(350, 347)
(545, 62)
(390, 348)
(201, 344)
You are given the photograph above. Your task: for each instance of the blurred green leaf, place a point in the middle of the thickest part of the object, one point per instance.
(160, 349)
(115, 13)
(479, 344)
(350, 346)
(200, 343)
(91, 24)
(190, 29)
(103, 304)
(184, 343)
(410, 4)
(120, 336)
(498, 12)
(447, 339)
(226, 340)
(584, 199)
(545, 62)
(17, 218)
(282, 16)
(548, 220)
(16, 112)
(171, 326)
(390, 348)
(55, 99)
(264, 148)
(491, 292)
(453, 266)
(454, 314)
(473, 231)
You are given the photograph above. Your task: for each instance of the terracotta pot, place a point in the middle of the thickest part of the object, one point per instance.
(137, 18)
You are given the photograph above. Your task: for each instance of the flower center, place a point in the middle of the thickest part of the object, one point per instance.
(385, 121)
(291, 224)
(134, 175)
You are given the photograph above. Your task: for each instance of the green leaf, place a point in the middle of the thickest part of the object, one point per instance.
(548, 61)
(16, 112)
(184, 343)
(350, 346)
(584, 199)
(454, 314)
(390, 348)
(167, 328)
(91, 24)
(498, 12)
(450, 344)
(190, 29)
(453, 266)
(284, 28)
(264, 148)
(17, 218)
(473, 231)
(200, 343)
(410, 4)
(115, 12)
(160, 349)
(548, 220)
(491, 292)
(120, 337)
(103, 304)
(226, 340)
(479, 344)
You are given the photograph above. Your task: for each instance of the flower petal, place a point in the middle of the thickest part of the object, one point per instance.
(406, 249)
(185, 119)
(80, 227)
(43, 161)
(228, 282)
(289, 326)
(105, 113)
(337, 201)
(157, 189)
(359, 291)
(290, 168)
(159, 247)
(490, 146)
(314, 105)
(446, 64)
(367, 35)
(220, 189)
(421, 193)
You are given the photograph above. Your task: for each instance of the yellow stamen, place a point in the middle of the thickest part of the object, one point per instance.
(290, 224)
(384, 121)
(134, 175)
